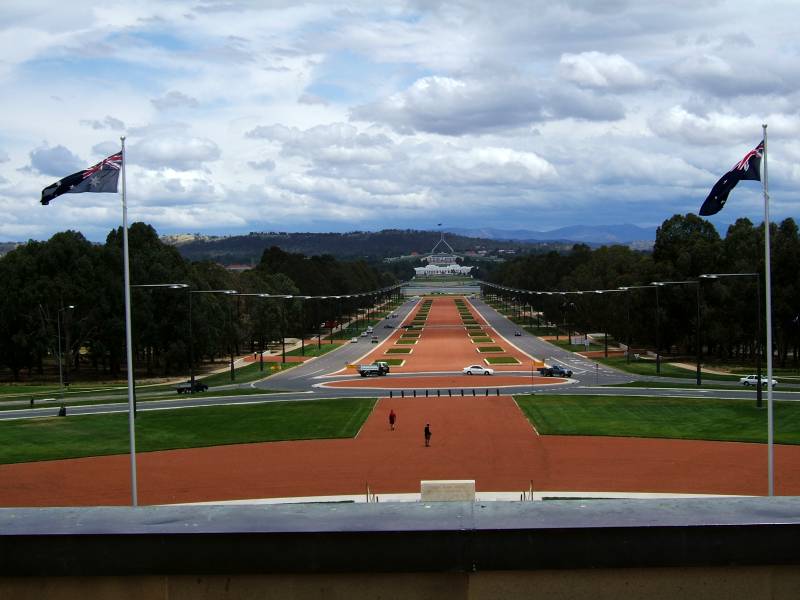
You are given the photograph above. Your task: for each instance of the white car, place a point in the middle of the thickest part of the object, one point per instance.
(354, 340)
(753, 380)
(477, 370)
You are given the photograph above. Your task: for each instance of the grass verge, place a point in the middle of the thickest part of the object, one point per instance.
(97, 435)
(673, 418)
(648, 367)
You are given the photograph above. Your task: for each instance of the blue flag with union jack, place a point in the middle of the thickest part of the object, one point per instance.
(102, 177)
(747, 168)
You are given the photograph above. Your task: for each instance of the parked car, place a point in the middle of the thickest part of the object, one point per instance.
(387, 326)
(364, 334)
(354, 340)
(753, 380)
(374, 339)
(187, 388)
(477, 370)
(555, 371)
(517, 333)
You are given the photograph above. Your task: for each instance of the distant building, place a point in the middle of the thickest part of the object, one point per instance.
(441, 263)
(429, 270)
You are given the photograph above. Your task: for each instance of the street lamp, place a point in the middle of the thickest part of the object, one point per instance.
(758, 323)
(697, 332)
(191, 338)
(169, 286)
(58, 327)
(627, 288)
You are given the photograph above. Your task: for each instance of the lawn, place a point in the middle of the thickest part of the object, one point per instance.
(246, 374)
(313, 349)
(96, 435)
(482, 340)
(675, 418)
(398, 351)
(648, 367)
(501, 360)
(490, 349)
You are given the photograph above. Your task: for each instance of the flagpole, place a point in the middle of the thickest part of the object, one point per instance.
(128, 343)
(768, 292)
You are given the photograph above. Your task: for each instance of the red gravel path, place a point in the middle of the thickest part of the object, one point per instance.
(444, 344)
(486, 439)
(444, 382)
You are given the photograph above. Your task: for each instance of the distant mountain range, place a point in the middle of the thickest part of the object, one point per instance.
(631, 235)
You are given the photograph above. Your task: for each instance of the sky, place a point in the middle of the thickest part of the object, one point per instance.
(246, 116)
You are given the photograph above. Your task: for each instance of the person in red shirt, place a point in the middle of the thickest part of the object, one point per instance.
(392, 419)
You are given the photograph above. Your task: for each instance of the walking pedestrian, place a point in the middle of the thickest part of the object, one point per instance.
(392, 418)
(427, 434)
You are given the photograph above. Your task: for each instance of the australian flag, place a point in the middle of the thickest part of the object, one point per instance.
(747, 168)
(102, 177)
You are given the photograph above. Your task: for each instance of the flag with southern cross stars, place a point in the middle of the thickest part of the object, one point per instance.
(102, 177)
(747, 168)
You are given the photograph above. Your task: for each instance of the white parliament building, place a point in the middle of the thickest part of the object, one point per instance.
(441, 263)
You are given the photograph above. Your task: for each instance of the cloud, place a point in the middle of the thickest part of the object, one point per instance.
(599, 70)
(174, 99)
(449, 106)
(181, 153)
(264, 165)
(108, 123)
(719, 77)
(57, 161)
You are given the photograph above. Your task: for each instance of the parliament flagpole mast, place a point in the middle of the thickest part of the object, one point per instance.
(768, 292)
(128, 342)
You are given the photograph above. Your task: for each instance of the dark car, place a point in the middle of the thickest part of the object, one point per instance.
(187, 388)
(555, 371)
(387, 326)
(517, 333)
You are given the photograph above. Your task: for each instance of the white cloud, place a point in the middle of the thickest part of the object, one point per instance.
(599, 70)
(57, 161)
(174, 99)
(321, 110)
(179, 153)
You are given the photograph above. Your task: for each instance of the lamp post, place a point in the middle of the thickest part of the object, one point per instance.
(191, 338)
(58, 327)
(759, 396)
(168, 286)
(627, 288)
(697, 332)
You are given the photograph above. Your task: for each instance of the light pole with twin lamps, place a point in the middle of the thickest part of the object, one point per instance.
(759, 395)
(697, 329)
(58, 327)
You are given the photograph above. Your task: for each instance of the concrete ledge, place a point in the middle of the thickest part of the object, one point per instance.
(444, 537)
(448, 490)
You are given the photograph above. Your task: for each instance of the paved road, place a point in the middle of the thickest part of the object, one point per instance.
(301, 382)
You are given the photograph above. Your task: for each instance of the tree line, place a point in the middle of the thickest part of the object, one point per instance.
(40, 281)
(686, 247)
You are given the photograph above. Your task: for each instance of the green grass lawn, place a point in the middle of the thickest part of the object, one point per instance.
(648, 367)
(392, 362)
(398, 351)
(491, 349)
(482, 340)
(96, 435)
(314, 350)
(675, 418)
(246, 374)
(564, 343)
(401, 342)
(501, 360)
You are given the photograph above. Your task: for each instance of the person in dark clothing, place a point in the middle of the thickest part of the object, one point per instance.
(392, 419)
(427, 434)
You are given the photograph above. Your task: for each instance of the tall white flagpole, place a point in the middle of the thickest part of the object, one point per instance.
(768, 292)
(128, 343)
